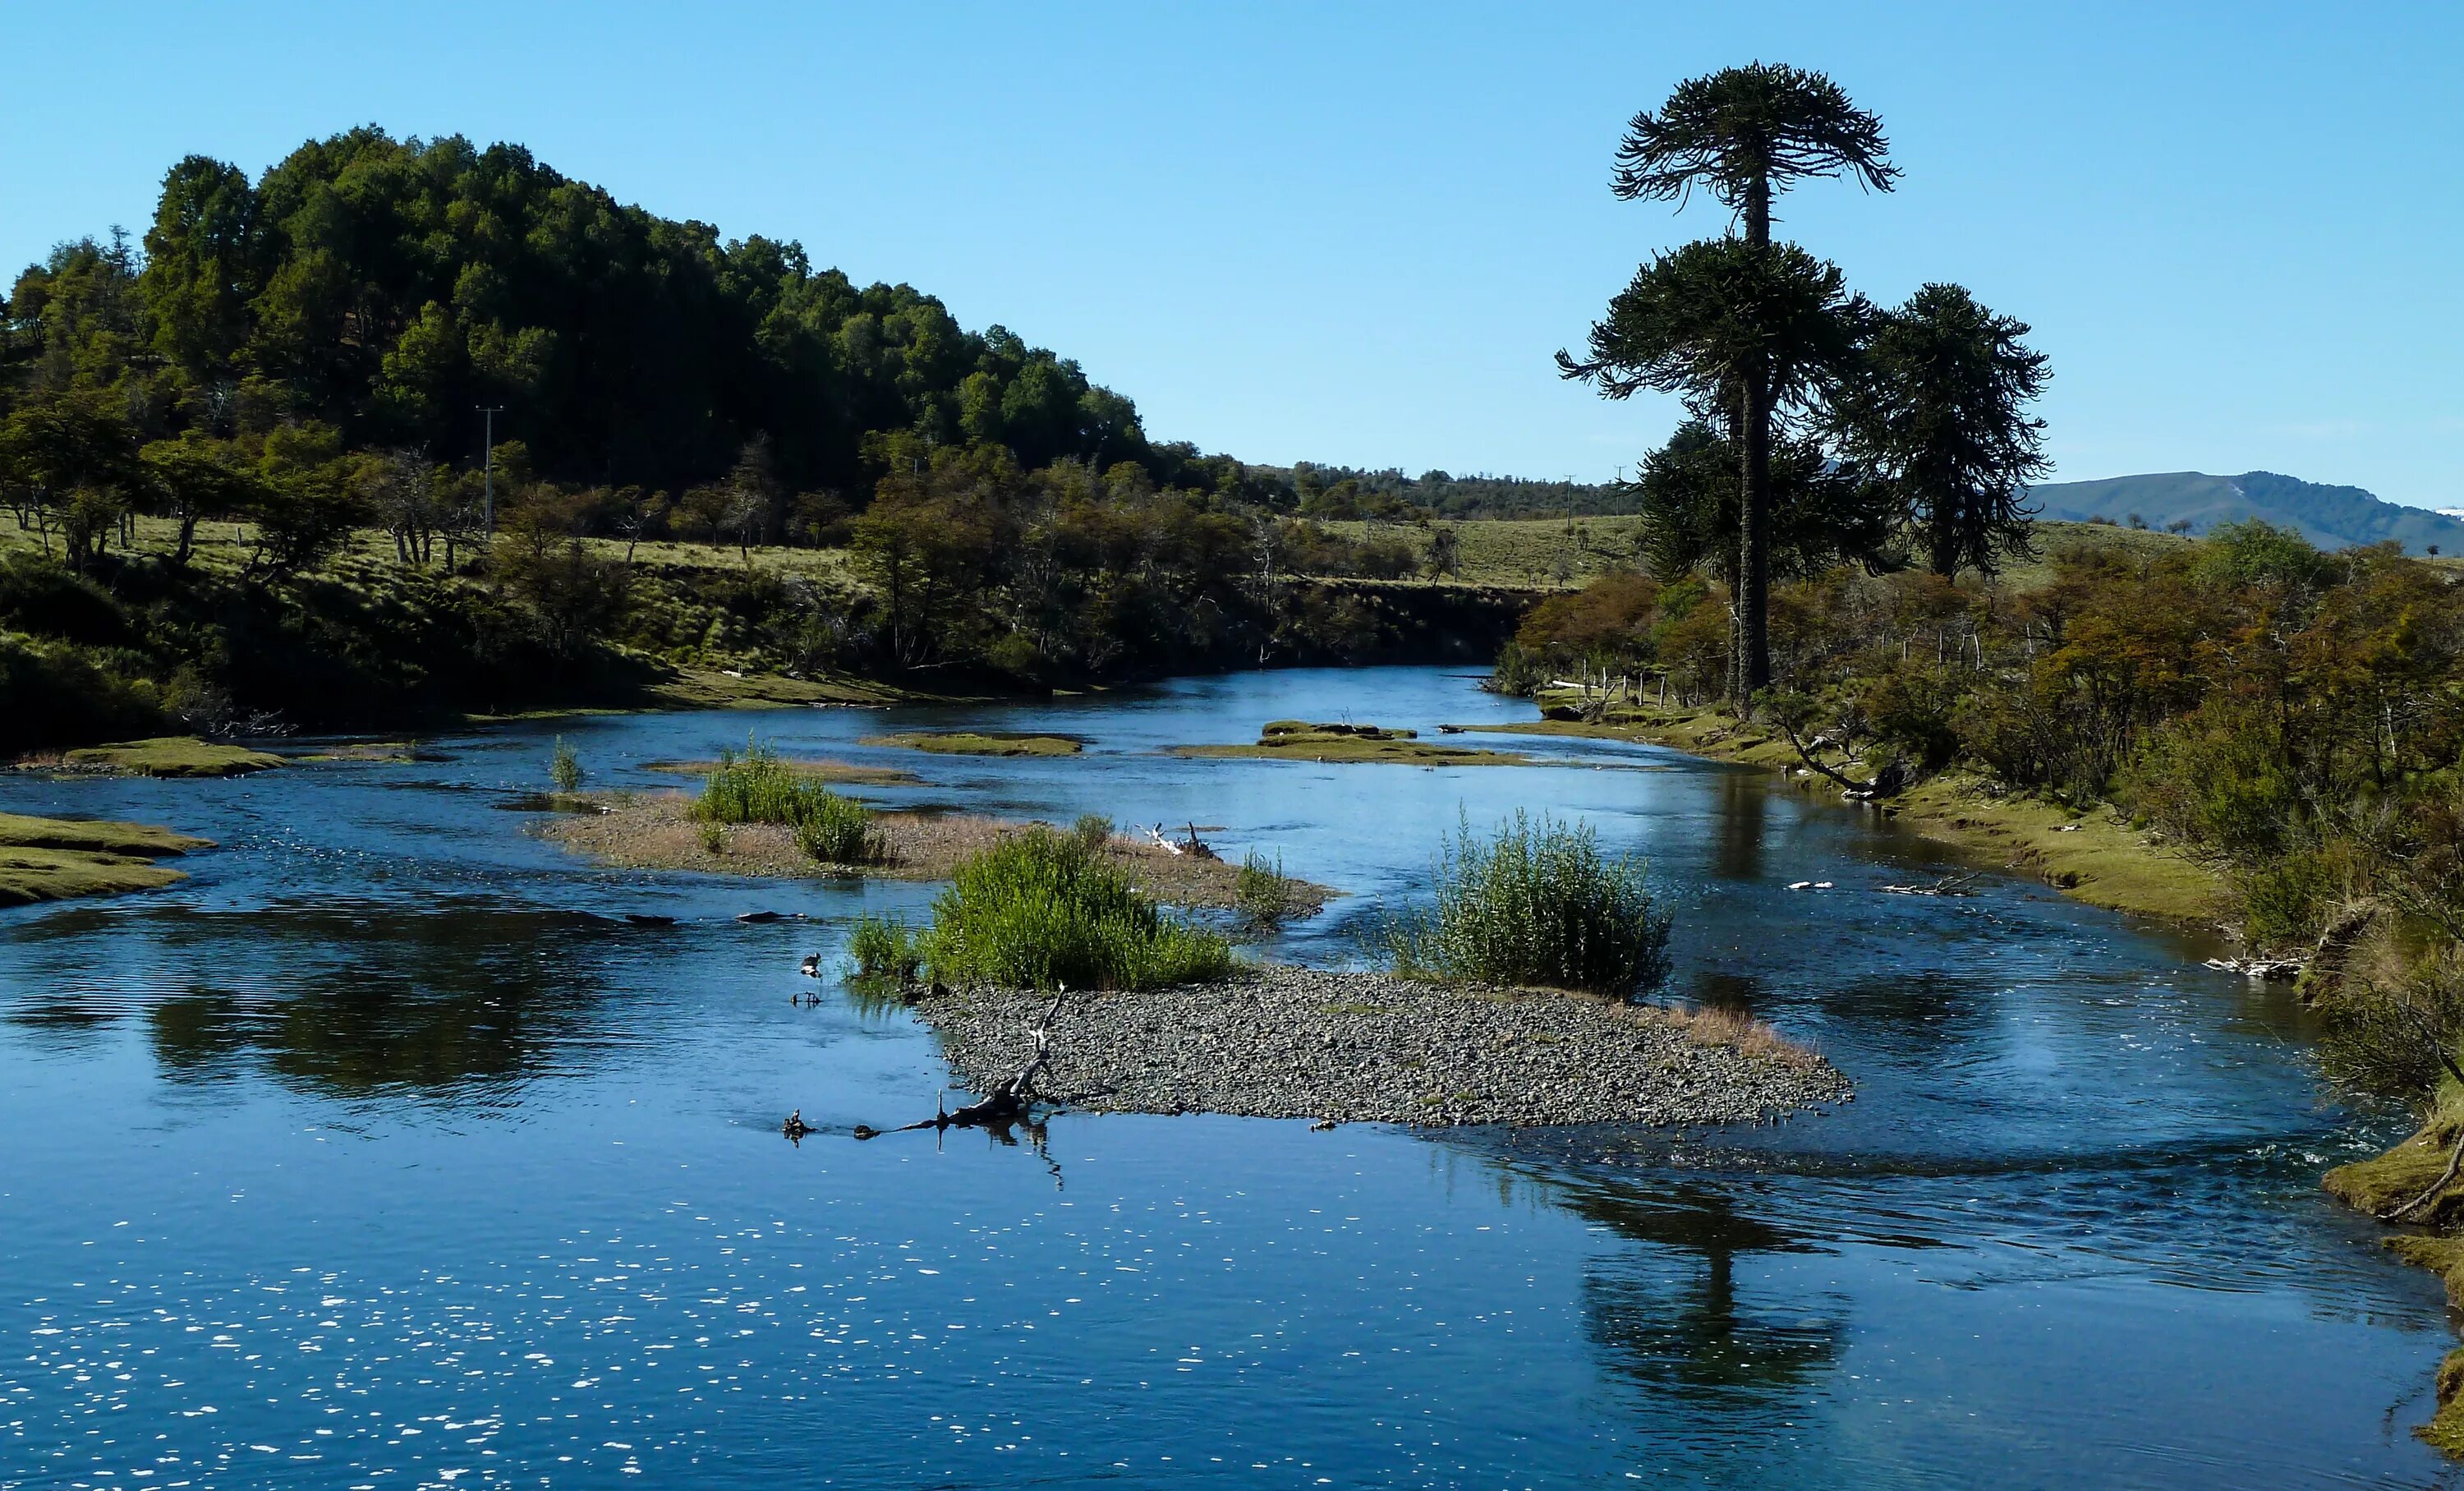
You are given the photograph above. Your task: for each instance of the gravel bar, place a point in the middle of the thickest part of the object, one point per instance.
(1287, 1042)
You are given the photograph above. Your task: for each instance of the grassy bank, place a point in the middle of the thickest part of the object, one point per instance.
(59, 858)
(165, 756)
(979, 743)
(1296, 739)
(659, 832)
(2094, 857)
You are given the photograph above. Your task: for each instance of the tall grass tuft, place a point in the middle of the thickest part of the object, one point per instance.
(884, 949)
(1261, 892)
(758, 788)
(565, 767)
(1535, 903)
(1038, 910)
(1093, 830)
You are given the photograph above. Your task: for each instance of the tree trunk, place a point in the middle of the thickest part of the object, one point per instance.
(1750, 661)
(1749, 652)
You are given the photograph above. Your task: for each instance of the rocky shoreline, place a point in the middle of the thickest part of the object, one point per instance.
(1287, 1042)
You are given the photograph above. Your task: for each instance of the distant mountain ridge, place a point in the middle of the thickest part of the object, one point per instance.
(2331, 517)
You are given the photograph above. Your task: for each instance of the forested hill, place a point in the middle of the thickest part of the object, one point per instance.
(2331, 517)
(387, 287)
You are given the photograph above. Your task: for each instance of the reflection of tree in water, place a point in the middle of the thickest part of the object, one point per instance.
(1669, 1315)
(1907, 1002)
(1737, 845)
(364, 1002)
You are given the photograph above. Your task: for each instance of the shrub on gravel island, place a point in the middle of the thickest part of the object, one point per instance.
(1535, 903)
(1039, 910)
(758, 788)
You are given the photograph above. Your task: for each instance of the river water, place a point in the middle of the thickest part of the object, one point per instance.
(383, 1153)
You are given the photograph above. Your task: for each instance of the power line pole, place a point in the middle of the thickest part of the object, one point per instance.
(488, 462)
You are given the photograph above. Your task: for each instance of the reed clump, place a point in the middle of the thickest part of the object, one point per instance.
(1535, 903)
(1261, 893)
(758, 788)
(1039, 910)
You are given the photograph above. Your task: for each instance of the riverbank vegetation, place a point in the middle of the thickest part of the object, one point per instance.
(58, 859)
(250, 491)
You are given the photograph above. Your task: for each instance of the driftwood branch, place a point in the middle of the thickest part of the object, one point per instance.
(1008, 1104)
(1860, 789)
(2454, 1163)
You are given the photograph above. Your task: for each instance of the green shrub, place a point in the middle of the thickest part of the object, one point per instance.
(1093, 830)
(565, 767)
(1039, 910)
(1535, 903)
(713, 839)
(2286, 901)
(1261, 892)
(885, 949)
(837, 831)
(758, 788)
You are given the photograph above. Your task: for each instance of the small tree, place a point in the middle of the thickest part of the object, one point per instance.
(1940, 416)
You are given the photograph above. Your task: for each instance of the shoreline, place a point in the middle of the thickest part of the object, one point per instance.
(1278, 1041)
(656, 831)
(2091, 857)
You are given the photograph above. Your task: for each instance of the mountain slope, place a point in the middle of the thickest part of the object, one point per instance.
(2331, 517)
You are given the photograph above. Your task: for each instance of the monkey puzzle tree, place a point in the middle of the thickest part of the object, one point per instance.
(1822, 512)
(1939, 414)
(1710, 322)
(1745, 134)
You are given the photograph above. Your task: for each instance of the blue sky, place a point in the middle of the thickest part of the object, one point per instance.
(1357, 234)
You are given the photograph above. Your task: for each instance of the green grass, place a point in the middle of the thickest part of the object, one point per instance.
(758, 788)
(1297, 740)
(841, 772)
(1039, 910)
(1262, 892)
(1535, 903)
(57, 858)
(885, 949)
(979, 743)
(170, 756)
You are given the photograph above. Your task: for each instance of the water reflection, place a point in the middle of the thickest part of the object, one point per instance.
(1670, 1316)
(1743, 802)
(352, 1000)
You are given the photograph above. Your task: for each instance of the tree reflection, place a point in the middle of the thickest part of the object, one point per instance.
(354, 1003)
(1742, 803)
(1670, 1314)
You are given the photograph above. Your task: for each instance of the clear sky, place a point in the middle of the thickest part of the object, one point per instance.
(1356, 233)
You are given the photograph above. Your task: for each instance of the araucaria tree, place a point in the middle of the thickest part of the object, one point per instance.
(1734, 326)
(1940, 417)
(1745, 134)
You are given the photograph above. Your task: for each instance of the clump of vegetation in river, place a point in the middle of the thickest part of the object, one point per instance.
(1535, 902)
(1263, 893)
(565, 767)
(885, 949)
(758, 788)
(54, 859)
(1039, 910)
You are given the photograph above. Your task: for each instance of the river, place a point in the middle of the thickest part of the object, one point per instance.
(381, 1152)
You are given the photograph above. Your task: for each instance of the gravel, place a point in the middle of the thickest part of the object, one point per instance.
(1286, 1042)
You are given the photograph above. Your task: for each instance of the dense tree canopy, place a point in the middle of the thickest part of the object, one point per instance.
(385, 288)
